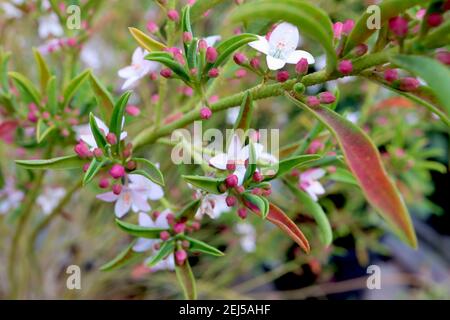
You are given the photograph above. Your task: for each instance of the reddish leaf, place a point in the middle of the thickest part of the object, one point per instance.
(282, 221)
(364, 161)
(7, 129)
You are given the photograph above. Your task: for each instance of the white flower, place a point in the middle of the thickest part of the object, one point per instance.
(49, 26)
(212, 205)
(50, 198)
(135, 196)
(233, 114)
(281, 47)
(84, 132)
(49, 46)
(353, 116)
(247, 237)
(308, 181)
(236, 155)
(10, 10)
(211, 40)
(139, 68)
(10, 197)
(144, 244)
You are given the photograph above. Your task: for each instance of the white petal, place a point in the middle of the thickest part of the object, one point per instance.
(296, 55)
(219, 161)
(145, 220)
(89, 139)
(130, 83)
(240, 173)
(143, 244)
(316, 187)
(123, 135)
(262, 45)
(101, 125)
(156, 192)
(211, 40)
(139, 202)
(161, 221)
(108, 197)
(312, 174)
(311, 194)
(123, 205)
(285, 35)
(138, 56)
(127, 72)
(274, 63)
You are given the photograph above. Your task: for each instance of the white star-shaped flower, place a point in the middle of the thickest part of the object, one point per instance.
(281, 47)
(308, 182)
(138, 69)
(49, 26)
(212, 205)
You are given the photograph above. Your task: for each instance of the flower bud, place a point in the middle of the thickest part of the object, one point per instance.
(170, 218)
(299, 88)
(205, 113)
(180, 257)
(257, 191)
(166, 73)
(361, 49)
(239, 58)
(302, 66)
(164, 235)
(443, 57)
(117, 171)
(282, 76)
(409, 84)
(230, 200)
(195, 225)
(399, 26)
(345, 67)
(173, 15)
(111, 138)
(327, 98)
(86, 166)
(239, 189)
(347, 26)
(213, 73)
(131, 165)
(82, 150)
(98, 153)
(71, 42)
(179, 227)
(312, 101)
(390, 75)
(117, 189)
(434, 19)
(231, 181)
(242, 213)
(202, 45)
(255, 63)
(32, 116)
(152, 27)
(240, 73)
(257, 176)
(187, 37)
(337, 29)
(211, 54)
(132, 110)
(103, 183)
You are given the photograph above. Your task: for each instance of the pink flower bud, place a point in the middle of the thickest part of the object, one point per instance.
(399, 26)
(254, 62)
(152, 27)
(443, 57)
(257, 191)
(164, 235)
(166, 73)
(98, 153)
(345, 67)
(132, 110)
(82, 150)
(202, 45)
(230, 200)
(213, 73)
(282, 76)
(337, 30)
(180, 257)
(239, 58)
(239, 189)
(347, 27)
(117, 171)
(361, 49)
(131, 165)
(302, 66)
(117, 189)
(242, 213)
(409, 84)
(173, 15)
(211, 54)
(231, 181)
(390, 75)
(240, 73)
(205, 113)
(312, 101)
(195, 225)
(32, 107)
(103, 183)
(32, 116)
(111, 138)
(170, 218)
(327, 98)
(435, 19)
(257, 176)
(267, 192)
(86, 166)
(187, 37)
(71, 42)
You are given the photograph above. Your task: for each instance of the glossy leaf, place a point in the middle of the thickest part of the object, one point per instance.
(186, 280)
(364, 161)
(435, 74)
(73, 85)
(208, 184)
(61, 163)
(145, 41)
(177, 68)
(200, 246)
(344, 176)
(138, 231)
(286, 165)
(153, 172)
(98, 135)
(256, 204)
(226, 48)
(125, 257)
(93, 169)
(388, 9)
(115, 126)
(27, 86)
(44, 72)
(312, 208)
(103, 97)
(167, 248)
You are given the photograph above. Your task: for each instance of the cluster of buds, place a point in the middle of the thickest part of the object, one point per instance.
(323, 98)
(343, 28)
(408, 84)
(54, 45)
(253, 64)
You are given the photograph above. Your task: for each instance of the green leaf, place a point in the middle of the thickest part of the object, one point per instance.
(27, 86)
(98, 135)
(364, 161)
(170, 63)
(103, 97)
(145, 41)
(151, 170)
(208, 184)
(186, 280)
(286, 165)
(192, 54)
(344, 176)
(308, 18)
(167, 248)
(44, 72)
(186, 24)
(435, 74)
(138, 231)
(201, 6)
(438, 37)
(73, 85)
(124, 258)
(388, 9)
(93, 169)
(4, 58)
(61, 163)
(115, 126)
(245, 112)
(189, 210)
(312, 208)
(42, 130)
(52, 95)
(226, 48)
(200, 246)
(255, 203)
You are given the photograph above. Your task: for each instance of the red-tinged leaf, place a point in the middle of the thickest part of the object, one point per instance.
(7, 130)
(282, 221)
(365, 163)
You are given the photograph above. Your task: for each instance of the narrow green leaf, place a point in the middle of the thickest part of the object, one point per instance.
(152, 171)
(177, 68)
(4, 58)
(208, 184)
(286, 165)
(200, 246)
(52, 95)
(124, 258)
(186, 280)
(115, 125)
(255, 203)
(145, 41)
(61, 163)
(27, 86)
(192, 54)
(226, 48)
(44, 72)
(245, 112)
(167, 248)
(251, 162)
(189, 210)
(73, 85)
(98, 135)
(93, 169)
(42, 130)
(364, 161)
(138, 231)
(103, 97)
(343, 175)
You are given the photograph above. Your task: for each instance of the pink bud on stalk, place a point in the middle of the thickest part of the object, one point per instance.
(117, 189)
(164, 235)
(282, 76)
(117, 171)
(239, 58)
(187, 37)
(231, 181)
(443, 57)
(409, 84)
(180, 256)
(213, 73)
(302, 66)
(211, 54)
(257, 176)
(132, 110)
(152, 27)
(111, 138)
(240, 73)
(327, 97)
(166, 73)
(103, 183)
(435, 19)
(390, 75)
(312, 101)
(242, 213)
(347, 27)
(82, 150)
(98, 153)
(255, 63)
(230, 200)
(231, 166)
(202, 45)
(345, 67)
(173, 15)
(361, 49)
(205, 113)
(399, 26)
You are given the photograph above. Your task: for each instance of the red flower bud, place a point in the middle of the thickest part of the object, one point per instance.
(117, 189)
(327, 98)
(242, 213)
(390, 75)
(230, 200)
(435, 19)
(98, 153)
(132, 110)
(399, 26)
(166, 73)
(179, 227)
(312, 101)
(302, 66)
(205, 113)
(409, 84)
(282, 76)
(103, 183)
(152, 27)
(213, 73)
(180, 257)
(254, 62)
(239, 58)
(164, 235)
(173, 15)
(211, 54)
(117, 171)
(187, 37)
(257, 176)
(111, 138)
(345, 67)
(231, 181)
